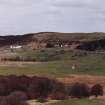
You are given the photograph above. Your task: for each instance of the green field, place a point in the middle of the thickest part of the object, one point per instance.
(58, 62)
(54, 68)
(79, 102)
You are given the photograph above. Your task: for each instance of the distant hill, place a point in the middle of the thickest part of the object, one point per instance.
(87, 41)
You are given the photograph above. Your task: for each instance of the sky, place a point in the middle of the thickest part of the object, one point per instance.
(30, 16)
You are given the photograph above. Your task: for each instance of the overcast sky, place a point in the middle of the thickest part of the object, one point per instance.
(25, 16)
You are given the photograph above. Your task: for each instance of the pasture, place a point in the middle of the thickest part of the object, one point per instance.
(54, 62)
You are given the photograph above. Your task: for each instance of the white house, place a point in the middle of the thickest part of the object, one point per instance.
(15, 47)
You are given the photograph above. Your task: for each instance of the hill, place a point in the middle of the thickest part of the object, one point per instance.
(84, 41)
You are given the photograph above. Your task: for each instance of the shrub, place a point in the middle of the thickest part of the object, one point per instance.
(58, 91)
(21, 95)
(40, 87)
(79, 90)
(11, 101)
(97, 90)
(17, 83)
(24, 82)
(3, 90)
(12, 83)
(49, 45)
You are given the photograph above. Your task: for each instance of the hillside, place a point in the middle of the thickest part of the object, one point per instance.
(85, 41)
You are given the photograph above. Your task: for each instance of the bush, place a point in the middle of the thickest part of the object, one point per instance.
(17, 83)
(49, 45)
(58, 91)
(11, 101)
(24, 82)
(41, 87)
(3, 90)
(79, 90)
(97, 90)
(21, 95)
(12, 83)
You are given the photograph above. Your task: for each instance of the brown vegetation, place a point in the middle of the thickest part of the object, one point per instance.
(97, 90)
(24, 88)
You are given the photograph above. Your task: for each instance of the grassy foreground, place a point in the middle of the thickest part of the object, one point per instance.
(80, 102)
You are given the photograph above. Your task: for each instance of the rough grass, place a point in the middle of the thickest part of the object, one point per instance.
(79, 102)
(55, 68)
(58, 62)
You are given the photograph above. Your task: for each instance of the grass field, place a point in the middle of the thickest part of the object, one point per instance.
(79, 102)
(53, 68)
(58, 62)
